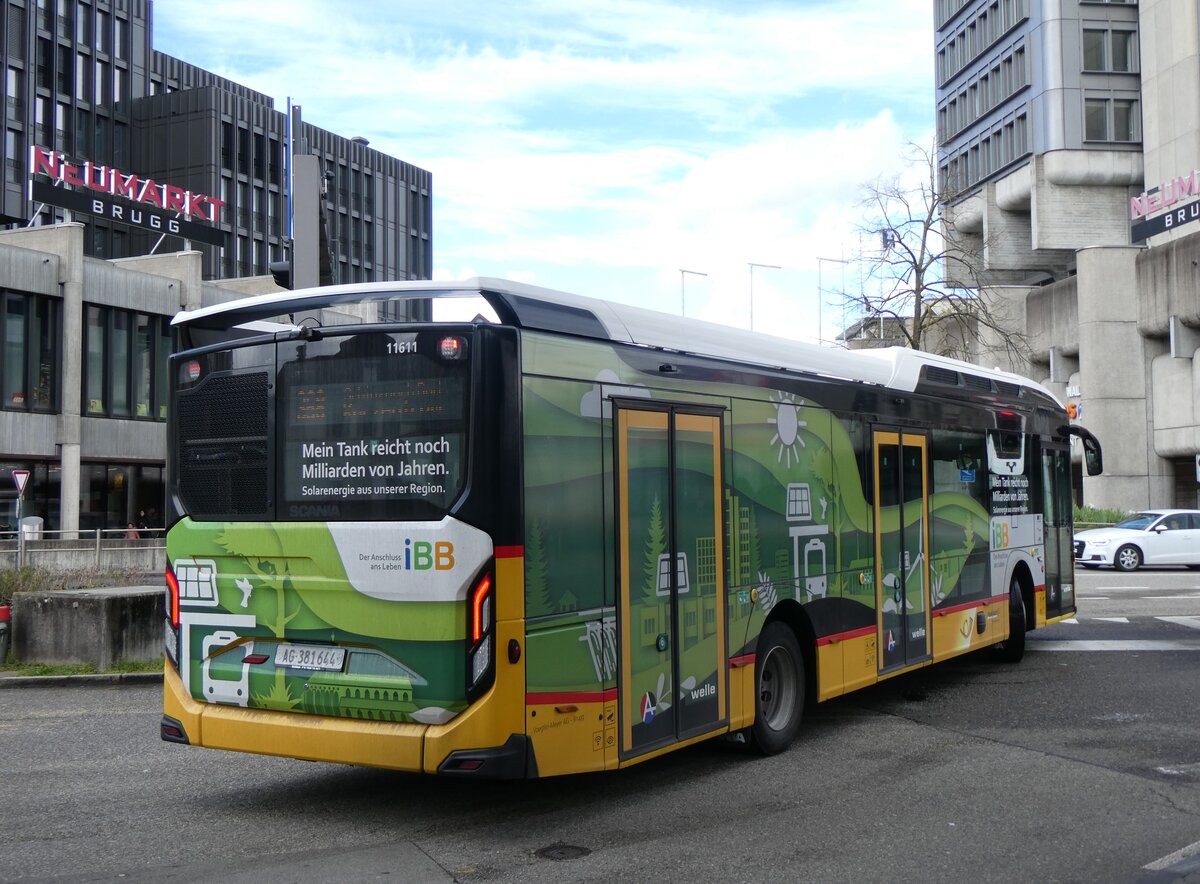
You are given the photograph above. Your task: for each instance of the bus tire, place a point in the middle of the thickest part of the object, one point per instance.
(1012, 649)
(779, 690)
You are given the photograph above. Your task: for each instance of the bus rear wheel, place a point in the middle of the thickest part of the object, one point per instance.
(779, 690)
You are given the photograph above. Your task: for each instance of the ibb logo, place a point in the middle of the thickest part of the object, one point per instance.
(421, 555)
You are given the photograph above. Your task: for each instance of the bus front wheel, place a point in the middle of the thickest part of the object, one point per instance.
(1012, 649)
(779, 690)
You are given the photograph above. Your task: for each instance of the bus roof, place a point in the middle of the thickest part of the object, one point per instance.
(537, 308)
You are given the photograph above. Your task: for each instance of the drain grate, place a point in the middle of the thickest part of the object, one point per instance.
(560, 852)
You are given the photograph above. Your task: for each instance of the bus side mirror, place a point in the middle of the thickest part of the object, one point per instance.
(1092, 456)
(1093, 459)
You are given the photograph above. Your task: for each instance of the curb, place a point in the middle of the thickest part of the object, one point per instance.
(62, 681)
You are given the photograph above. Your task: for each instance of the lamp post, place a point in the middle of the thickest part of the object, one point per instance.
(821, 293)
(682, 296)
(752, 266)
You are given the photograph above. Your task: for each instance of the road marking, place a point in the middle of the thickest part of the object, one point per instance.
(1172, 597)
(1113, 645)
(1112, 619)
(1172, 859)
(1193, 622)
(1093, 598)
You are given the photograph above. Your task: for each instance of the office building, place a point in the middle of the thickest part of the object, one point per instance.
(1069, 143)
(136, 184)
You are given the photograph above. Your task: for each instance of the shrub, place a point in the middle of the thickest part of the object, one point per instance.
(1091, 517)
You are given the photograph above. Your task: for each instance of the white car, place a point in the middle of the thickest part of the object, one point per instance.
(1158, 537)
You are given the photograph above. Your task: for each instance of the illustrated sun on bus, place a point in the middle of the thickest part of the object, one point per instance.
(570, 535)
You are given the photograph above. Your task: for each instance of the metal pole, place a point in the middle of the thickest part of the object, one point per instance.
(752, 266)
(682, 296)
(821, 294)
(20, 536)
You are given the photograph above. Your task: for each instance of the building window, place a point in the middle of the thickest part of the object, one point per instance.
(1111, 119)
(83, 25)
(115, 495)
(12, 89)
(83, 79)
(29, 369)
(1108, 50)
(102, 41)
(14, 154)
(125, 353)
(122, 38)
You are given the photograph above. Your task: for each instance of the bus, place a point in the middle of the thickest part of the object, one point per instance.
(567, 535)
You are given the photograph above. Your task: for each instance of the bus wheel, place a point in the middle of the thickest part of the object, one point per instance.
(779, 694)
(1013, 648)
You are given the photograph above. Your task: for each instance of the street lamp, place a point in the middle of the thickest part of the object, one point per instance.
(752, 266)
(821, 295)
(682, 299)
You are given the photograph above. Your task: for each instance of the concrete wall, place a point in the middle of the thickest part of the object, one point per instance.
(1115, 368)
(84, 553)
(98, 626)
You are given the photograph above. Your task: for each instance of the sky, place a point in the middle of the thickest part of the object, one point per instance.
(601, 147)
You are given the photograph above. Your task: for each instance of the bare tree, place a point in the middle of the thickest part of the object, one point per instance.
(922, 288)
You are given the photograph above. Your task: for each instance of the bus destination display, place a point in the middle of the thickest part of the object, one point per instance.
(374, 439)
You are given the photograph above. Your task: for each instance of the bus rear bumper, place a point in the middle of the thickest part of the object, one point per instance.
(310, 737)
(397, 746)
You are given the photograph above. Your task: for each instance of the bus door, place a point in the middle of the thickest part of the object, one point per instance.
(671, 609)
(901, 545)
(1056, 516)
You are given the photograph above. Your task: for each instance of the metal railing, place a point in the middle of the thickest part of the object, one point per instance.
(97, 547)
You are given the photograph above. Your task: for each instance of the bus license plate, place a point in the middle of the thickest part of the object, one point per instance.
(310, 657)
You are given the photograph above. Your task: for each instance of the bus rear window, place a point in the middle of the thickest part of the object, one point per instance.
(374, 425)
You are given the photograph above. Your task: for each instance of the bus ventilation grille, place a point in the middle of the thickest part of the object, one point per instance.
(223, 447)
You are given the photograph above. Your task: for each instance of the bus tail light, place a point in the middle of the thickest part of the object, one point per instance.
(171, 630)
(172, 599)
(452, 348)
(482, 623)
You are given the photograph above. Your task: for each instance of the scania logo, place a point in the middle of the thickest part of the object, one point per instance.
(308, 511)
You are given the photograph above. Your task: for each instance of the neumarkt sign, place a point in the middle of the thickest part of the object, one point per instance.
(1167, 199)
(106, 192)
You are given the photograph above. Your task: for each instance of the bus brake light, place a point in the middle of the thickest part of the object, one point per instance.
(452, 348)
(172, 598)
(480, 609)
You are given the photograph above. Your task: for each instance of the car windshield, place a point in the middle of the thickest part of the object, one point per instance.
(1140, 522)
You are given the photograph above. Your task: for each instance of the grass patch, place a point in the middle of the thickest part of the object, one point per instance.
(42, 580)
(121, 666)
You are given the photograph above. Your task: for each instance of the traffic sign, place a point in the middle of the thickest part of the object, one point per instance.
(20, 477)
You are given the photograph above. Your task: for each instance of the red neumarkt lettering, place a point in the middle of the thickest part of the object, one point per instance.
(110, 180)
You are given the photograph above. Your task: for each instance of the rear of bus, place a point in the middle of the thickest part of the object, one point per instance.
(344, 580)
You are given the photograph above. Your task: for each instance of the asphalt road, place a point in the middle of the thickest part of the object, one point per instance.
(1082, 763)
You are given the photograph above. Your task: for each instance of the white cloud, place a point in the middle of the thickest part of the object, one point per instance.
(601, 145)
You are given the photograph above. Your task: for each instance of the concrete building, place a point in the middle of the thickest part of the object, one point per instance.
(1069, 139)
(136, 184)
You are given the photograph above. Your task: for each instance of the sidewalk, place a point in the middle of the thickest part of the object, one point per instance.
(10, 679)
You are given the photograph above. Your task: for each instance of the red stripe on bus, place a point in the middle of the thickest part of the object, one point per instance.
(741, 660)
(954, 609)
(1041, 588)
(843, 636)
(547, 699)
(510, 552)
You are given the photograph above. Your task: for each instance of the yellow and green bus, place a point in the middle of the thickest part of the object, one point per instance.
(569, 535)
